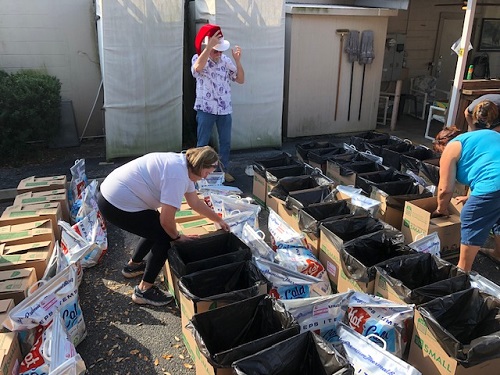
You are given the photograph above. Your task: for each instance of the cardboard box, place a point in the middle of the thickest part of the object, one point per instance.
(429, 357)
(32, 231)
(259, 189)
(329, 255)
(42, 197)
(10, 353)
(15, 283)
(391, 207)
(187, 214)
(417, 222)
(36, 184)
(197, 227)
(5, 306)
(171, 282)
(35, 254)
(24, 214)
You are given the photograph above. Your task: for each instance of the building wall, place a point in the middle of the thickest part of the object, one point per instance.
(58, 37)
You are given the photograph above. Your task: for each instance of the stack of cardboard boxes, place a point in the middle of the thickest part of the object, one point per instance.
(28, 234)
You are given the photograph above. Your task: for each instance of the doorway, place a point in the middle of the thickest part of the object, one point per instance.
(445, 60)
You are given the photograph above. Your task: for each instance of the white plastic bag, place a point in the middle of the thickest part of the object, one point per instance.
(375, 316)
(255, 241)
(238, 220)
(302, 260)
(320, 314)
(282, 234)
(59, 295)
(78, 181)
(368, 358)
(427, 244)
(286, 283)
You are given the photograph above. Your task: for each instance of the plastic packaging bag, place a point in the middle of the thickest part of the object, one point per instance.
(58, 295)
(368, 358)
(93, 230)
(282, 234)
(389, 321)
(78, 181)
(255, 241)
(428, 244)
(321, 315)
(286, 283)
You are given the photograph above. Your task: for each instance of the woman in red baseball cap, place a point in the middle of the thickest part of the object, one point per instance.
(214, 73)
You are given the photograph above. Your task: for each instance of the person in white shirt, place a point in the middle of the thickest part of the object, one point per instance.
(142, 198)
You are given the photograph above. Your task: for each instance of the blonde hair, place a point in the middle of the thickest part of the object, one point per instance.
(201, 157)
(485, 109)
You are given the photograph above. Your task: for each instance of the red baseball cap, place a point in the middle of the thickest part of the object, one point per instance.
(207, 31)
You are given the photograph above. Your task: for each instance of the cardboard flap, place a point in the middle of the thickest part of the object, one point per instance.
(24, 248)
(15, 274)
(44, 223)
(6, 305)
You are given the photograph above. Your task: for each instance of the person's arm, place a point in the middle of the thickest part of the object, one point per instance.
(167, 221)
(447, 176)
(201, 207)
(469, 119)
(205, 54)
(240, 73)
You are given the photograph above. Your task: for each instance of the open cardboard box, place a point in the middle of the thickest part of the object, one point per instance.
(417, 222)
(24, 214)
(15, 284)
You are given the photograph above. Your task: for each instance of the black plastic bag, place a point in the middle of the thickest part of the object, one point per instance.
(466, 324)
(412, 160)
(286, 185)
(303, 198)
(420, 278)
(390, 181)
(430, 171)
(240, 329)
(359, 140)
(303, 149)
(398, 200)
(311, 216)
(360, 255)
(279, 160)
(303, 354)
(208, 251)
(353, 227)
(274, 174)
(321, 156)
(228, 283)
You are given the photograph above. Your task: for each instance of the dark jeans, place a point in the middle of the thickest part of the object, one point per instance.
(146, 224)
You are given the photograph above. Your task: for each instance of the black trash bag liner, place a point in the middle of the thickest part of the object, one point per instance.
(391, 158)
(207, 251)
(275, 173)
(304, 354)
(359, 140)
(303, 149)
(348, 157)
(303, 198)
(411, 160)
(240, 329)
(286, 185)
(350, 228)
(360, 167)
(279, 160)
(360, 255)
(229, 283)
(397, 201)
(422, 277)
(397, 183)
(311, 216)
(430, 171)
(466, 324)
(321, 155)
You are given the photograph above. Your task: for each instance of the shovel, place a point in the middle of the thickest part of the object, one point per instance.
(366, 56)
(342, 33)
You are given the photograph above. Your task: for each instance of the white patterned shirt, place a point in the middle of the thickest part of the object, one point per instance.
(213, 86)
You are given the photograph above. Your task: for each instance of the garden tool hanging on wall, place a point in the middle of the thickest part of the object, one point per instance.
(342, 33)
(352, 50)
(366, 56)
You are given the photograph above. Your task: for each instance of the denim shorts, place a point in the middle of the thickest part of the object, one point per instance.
(480, 214)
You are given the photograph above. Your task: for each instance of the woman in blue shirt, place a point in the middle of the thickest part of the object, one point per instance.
(473, 159)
